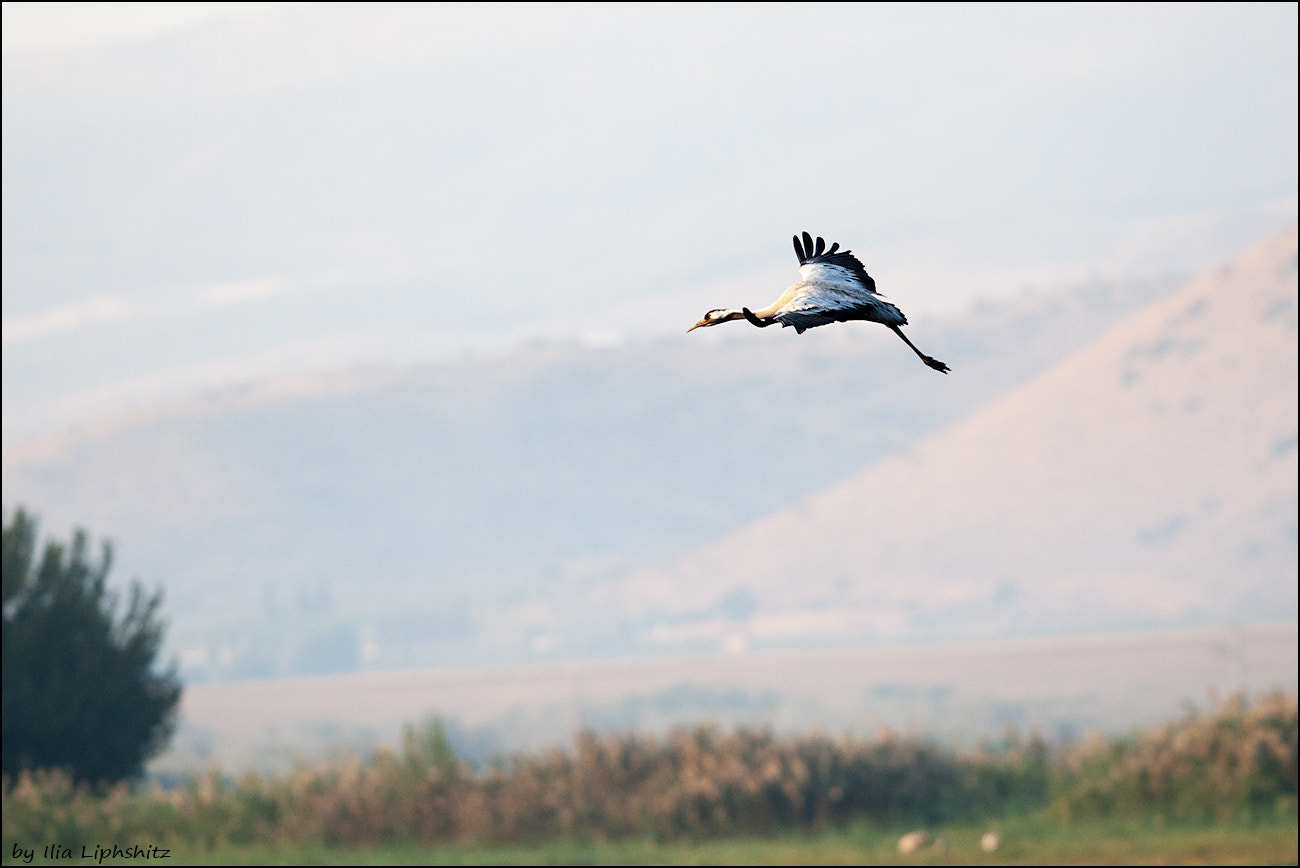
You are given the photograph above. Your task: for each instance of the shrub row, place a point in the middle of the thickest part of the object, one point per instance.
(690, 784)
(1235, 763)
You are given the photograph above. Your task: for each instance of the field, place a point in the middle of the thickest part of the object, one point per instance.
(1216, 787)
(1059, 686)
(1025, 841)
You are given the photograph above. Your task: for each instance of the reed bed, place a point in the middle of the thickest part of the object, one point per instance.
(1237, 763)
(1239, 760)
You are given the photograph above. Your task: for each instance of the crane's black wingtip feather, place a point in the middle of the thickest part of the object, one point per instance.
(798, 250)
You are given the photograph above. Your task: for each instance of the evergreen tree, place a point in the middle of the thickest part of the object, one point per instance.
(80, 691)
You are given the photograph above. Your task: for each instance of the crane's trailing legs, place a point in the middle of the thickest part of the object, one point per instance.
(932, 362)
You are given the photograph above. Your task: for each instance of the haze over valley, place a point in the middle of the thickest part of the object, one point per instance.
(1104, 459)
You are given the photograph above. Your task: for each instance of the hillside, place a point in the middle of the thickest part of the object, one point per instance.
(460, 513)
(1148, 480)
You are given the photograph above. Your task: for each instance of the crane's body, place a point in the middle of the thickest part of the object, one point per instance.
(834, 288)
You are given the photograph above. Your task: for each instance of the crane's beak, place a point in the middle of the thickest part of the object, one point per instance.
(704, 322)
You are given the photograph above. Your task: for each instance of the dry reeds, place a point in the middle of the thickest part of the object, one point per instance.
(691, 784)
(1236, 763)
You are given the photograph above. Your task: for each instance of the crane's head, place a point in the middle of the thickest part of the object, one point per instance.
(714, 317)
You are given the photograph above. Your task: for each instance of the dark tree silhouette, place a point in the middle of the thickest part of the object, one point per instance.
(80, 690)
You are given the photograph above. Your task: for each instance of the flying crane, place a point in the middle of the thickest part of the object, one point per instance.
(835, 288)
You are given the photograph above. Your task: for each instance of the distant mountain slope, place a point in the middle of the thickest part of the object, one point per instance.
(1149, 479)
(459, 513)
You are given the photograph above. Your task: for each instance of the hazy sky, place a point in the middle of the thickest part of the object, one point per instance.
(36, 26)
(202, 194)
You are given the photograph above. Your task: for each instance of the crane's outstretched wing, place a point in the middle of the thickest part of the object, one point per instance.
(835, 288)
(818, 263)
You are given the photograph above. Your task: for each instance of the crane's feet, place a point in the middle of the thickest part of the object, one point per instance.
(936, 364)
